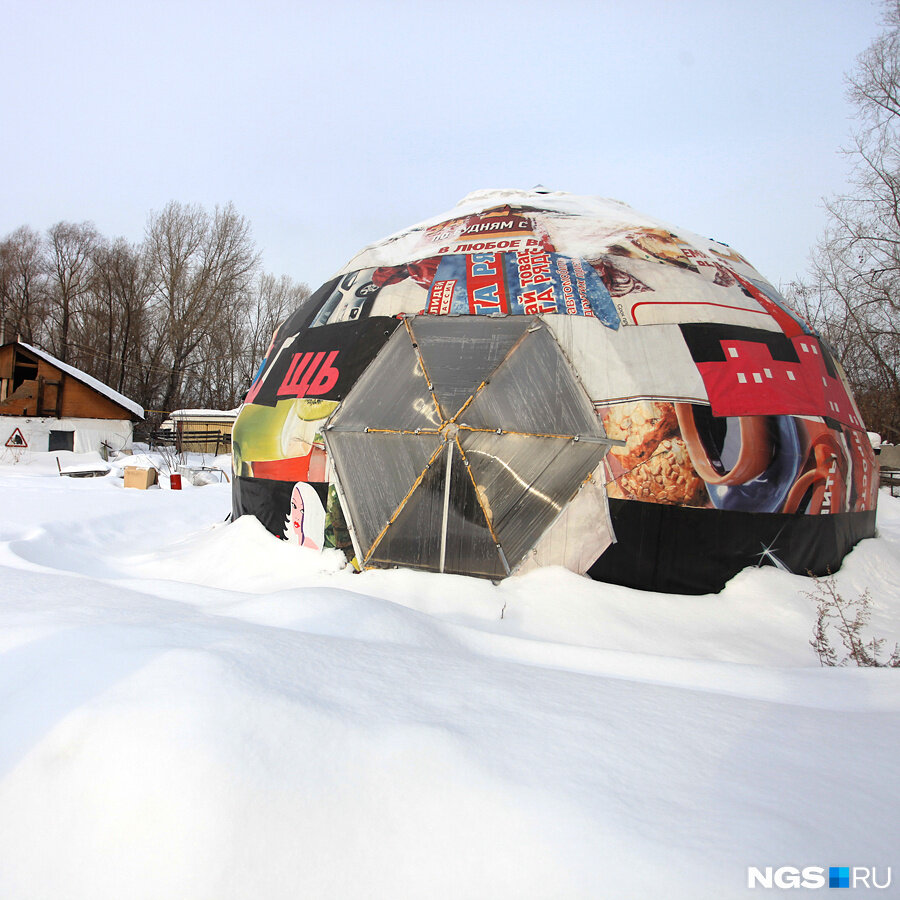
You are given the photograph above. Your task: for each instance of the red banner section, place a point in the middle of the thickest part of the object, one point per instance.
(751, 372)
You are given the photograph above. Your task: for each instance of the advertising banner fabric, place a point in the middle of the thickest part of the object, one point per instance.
(277, 433)
(526, 282)
(753, 372)
(683, 455)
(321, 363)
(615, 366)
(657, 546)
(476, 393)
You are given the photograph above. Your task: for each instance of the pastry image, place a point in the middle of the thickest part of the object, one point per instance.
(655, 464)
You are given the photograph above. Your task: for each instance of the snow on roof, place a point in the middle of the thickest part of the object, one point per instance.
(89, 380)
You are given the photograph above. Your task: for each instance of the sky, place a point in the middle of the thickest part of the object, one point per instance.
(332, 125)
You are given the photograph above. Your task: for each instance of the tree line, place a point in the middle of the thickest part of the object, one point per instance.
(180, 319)
(852, 293)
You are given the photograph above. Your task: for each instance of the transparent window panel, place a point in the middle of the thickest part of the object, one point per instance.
(392, 392)
(470, 548)
(506, 466)
(376, 472)
(528, 520)
(414, 538)
(534, 391)
(526, 482)
(459, 353)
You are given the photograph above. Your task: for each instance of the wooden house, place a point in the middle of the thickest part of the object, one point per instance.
(46, 404)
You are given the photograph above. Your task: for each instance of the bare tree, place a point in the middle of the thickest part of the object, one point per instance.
(180, 319)
(113, 332)
(272, 301)
(854, 295)
(69, 266)
(201, 267)
(23, 286)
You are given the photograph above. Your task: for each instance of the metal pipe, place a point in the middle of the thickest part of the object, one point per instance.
(446, 503)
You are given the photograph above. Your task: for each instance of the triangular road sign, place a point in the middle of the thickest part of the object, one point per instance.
(16, 439)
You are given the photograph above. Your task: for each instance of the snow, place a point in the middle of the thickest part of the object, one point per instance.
(571, 236)
(89, 380)
(194, 709)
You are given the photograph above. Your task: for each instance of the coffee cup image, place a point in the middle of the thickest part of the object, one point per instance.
(749, 463)
(822, 486)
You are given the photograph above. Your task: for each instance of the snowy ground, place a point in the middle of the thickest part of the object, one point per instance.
(192, 709)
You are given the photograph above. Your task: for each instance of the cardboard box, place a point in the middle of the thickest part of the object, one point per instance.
(136, 477)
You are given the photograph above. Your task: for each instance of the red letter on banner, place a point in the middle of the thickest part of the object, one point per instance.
(327, 377)
(295, 370)
(309, 375)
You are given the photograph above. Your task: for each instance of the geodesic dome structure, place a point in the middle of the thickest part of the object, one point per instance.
(543, 379)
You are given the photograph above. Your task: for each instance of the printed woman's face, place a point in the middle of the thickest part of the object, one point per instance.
(297, 513)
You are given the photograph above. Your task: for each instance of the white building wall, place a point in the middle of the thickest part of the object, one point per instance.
(89, 434)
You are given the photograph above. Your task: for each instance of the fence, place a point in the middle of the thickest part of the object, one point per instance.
(891, 478)
(189, 441)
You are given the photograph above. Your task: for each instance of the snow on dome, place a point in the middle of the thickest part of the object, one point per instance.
(472, 395)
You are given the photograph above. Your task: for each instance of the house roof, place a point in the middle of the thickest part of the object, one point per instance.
(89, 380)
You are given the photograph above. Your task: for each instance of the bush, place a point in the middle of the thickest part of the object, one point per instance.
(848, 618)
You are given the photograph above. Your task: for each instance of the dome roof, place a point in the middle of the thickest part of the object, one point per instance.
(539, 378)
